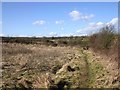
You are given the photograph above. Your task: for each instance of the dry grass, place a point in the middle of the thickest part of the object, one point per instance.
(29, 61)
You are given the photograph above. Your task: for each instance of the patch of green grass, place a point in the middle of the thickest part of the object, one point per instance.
(94, 70)
(96, 73)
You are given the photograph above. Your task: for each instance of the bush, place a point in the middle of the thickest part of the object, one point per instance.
(103, 40)
(62, 42)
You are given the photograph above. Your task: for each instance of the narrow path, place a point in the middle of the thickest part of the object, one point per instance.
(87, 67)
(79, 77)
(87, 72)
(99, 76)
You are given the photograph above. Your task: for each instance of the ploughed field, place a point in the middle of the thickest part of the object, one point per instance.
(40, 66)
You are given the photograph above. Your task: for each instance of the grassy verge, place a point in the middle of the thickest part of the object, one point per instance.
(87, 74)
(96, 72)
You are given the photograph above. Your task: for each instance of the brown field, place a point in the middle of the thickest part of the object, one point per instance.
(30, 61)
(35, 65)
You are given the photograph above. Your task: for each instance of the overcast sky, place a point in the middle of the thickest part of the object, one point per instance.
(56, 19)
